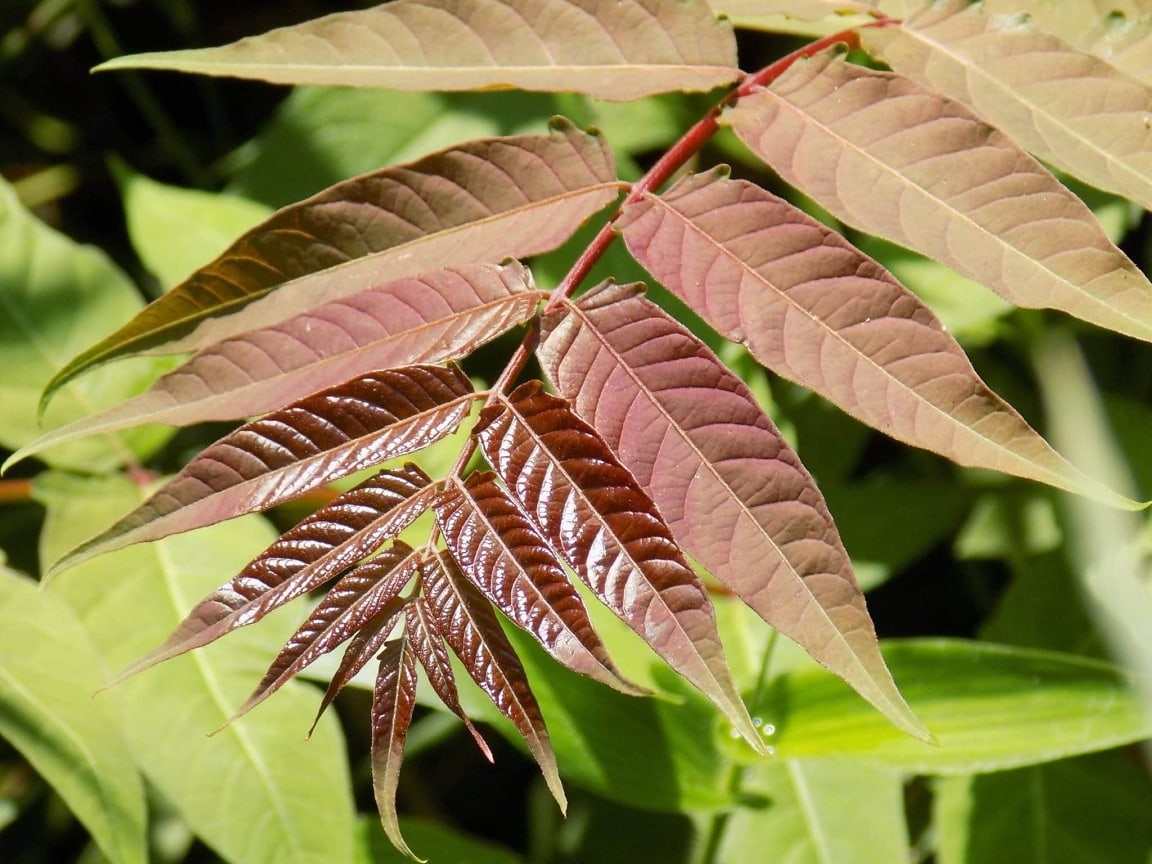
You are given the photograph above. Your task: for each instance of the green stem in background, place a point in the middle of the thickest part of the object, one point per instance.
(169, 137)
(710, 850)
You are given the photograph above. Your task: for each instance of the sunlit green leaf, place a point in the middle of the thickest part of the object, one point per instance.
(56, 297)
(990, 707)
(48, 673)
(257, 791)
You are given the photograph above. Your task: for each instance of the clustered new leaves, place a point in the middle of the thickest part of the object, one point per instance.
(337, 321)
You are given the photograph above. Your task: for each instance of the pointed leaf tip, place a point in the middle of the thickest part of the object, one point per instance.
(593, 512)
(734, 493)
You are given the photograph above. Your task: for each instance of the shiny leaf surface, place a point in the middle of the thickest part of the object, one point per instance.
(591, 510)
(393, 701)
(733, 492)
(466, 621)
(499, 550)
(326, 436)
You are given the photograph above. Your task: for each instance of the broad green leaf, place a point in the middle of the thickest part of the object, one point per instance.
(49, 670)
(734, 493)
(56, 297)
(1090, 810)
(322, 135)
(175, 230)
(990, 707)
(817, 811)
(483, 201)
(858, 140)
(659, 753)
(815, 310)
(596, 515)
(442, 315)
(257, 791)
(617, 49)
(1067, 107)
(330, 435)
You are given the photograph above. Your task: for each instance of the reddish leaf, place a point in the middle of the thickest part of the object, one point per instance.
(857, 140)
(330, 540)
(503, 555)
(734, 494)
(817, 311)
(393, 702)
(353, 603)
(428, 646)
(361, 648)
(481, 201)
(326, 436)
(470, 627)
(439, 316)
(614, 49)
(593, 512)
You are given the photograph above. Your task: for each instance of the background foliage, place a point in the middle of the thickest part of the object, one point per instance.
(996, 607)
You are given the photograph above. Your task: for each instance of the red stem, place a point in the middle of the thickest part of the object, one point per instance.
(666, 166)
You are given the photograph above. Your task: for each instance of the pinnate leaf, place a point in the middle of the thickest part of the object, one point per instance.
(306, 556)
(442, 315)
(817, 311)
(285, 454)
(734, 493)
(593, 512)
(465, 620)
(368, 591)
(615, 49)
(428, 646)
(482, 201)
(500, 550)
(393, 701)
(1070, 108)
(856, 140)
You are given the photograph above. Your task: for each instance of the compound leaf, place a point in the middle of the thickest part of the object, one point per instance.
(734, 493)
(592, 511)
(368, 591)
(428, 646)
(857, 140)
(615, 49)
(466, 621)
(328, 541)
(502, 553)
(285, 454)
(481, 201)
(817, 311)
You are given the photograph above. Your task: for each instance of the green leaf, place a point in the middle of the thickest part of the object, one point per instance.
(820, 811)
(49, 670)
(257, 791)
(175, 231)
(1091, 810)
(990, 707)
(322, 135)
(56, 297)
(659, 753)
